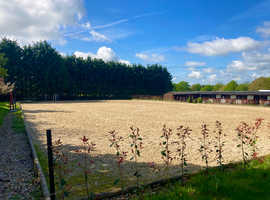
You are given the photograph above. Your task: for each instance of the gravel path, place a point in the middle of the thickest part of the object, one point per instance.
(16, 166)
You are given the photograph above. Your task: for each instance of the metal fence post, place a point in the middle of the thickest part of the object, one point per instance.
(50, 164)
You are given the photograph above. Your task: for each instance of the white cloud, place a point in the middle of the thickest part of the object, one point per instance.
(150, 57)
(265, 29)
(222, 46)
(208, 70)
(104, 53)
(194, 64)
(99, 37)
(251, 62)
(194, 74)
(28, 20)
(212, 77)
(83, 55)
(125, 62)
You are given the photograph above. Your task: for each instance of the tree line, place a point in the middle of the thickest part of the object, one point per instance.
(262, 83)
(39, 71)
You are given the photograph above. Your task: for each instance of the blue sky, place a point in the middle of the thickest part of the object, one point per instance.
(206, 41)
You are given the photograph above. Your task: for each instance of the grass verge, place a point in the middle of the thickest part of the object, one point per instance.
(235, 182)
(18, 121)
(4, 109)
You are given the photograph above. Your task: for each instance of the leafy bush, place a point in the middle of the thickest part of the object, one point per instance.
(199, 100)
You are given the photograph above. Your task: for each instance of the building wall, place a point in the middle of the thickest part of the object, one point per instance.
(227, 99)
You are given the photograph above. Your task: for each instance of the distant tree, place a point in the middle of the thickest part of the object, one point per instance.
(231, 86)
(242, 87)
(196, 87)
(182, 86)
(4, 87)
(262, 83)
(3, 61)
(218, 87)
(207, 88)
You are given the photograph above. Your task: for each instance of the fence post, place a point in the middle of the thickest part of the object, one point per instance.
(50, 164)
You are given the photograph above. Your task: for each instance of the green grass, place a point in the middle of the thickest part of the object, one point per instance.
(4, 109)
(236, 182)
(18, 121)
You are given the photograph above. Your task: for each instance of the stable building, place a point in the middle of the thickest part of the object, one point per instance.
(261, 97)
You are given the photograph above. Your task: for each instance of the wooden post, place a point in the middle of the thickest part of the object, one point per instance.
(50, 164)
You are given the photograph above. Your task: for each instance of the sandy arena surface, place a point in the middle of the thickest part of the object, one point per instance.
(71, 120)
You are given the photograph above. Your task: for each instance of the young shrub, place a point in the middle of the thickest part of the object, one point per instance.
(254, 136)
(219, 135)
(205, 149)
(120, 154)
(86, 152)
(183, 133)
(136, 147)
(189, 100)
(248, 138)
(199, 100)
(166, 153)
(61, 169)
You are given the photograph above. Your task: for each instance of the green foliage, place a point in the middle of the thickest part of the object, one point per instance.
(18, 122)
(207, 88)
(3, 61)
(231, 86)
(242, 87)
(261, 83)
(196, 87)
(4, 109)
(189, 100)
(182, 86)
(39, 71)
(199, 100)
(232, 183)
(218, 87)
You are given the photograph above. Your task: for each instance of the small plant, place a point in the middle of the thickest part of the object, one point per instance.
(87, 162)
(136, 147)
(166, 153)
(61, 168)
(254, 136)
(194, 101)
(199, 100)
(120, 155)
(242, 132)
(183, 133)
(205, 149)
(248, 138)
(189, 100)
(219, 135)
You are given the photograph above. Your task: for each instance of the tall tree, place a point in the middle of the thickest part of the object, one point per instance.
(231, 86)
(196, 87)
(182, 86)
(207, 88)
(218, 87)
(242, 87)
(262, 83)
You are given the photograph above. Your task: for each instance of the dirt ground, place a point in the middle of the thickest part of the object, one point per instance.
(70, 121)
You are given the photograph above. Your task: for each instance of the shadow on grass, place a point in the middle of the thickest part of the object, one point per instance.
(235, 182)
(4, 109)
